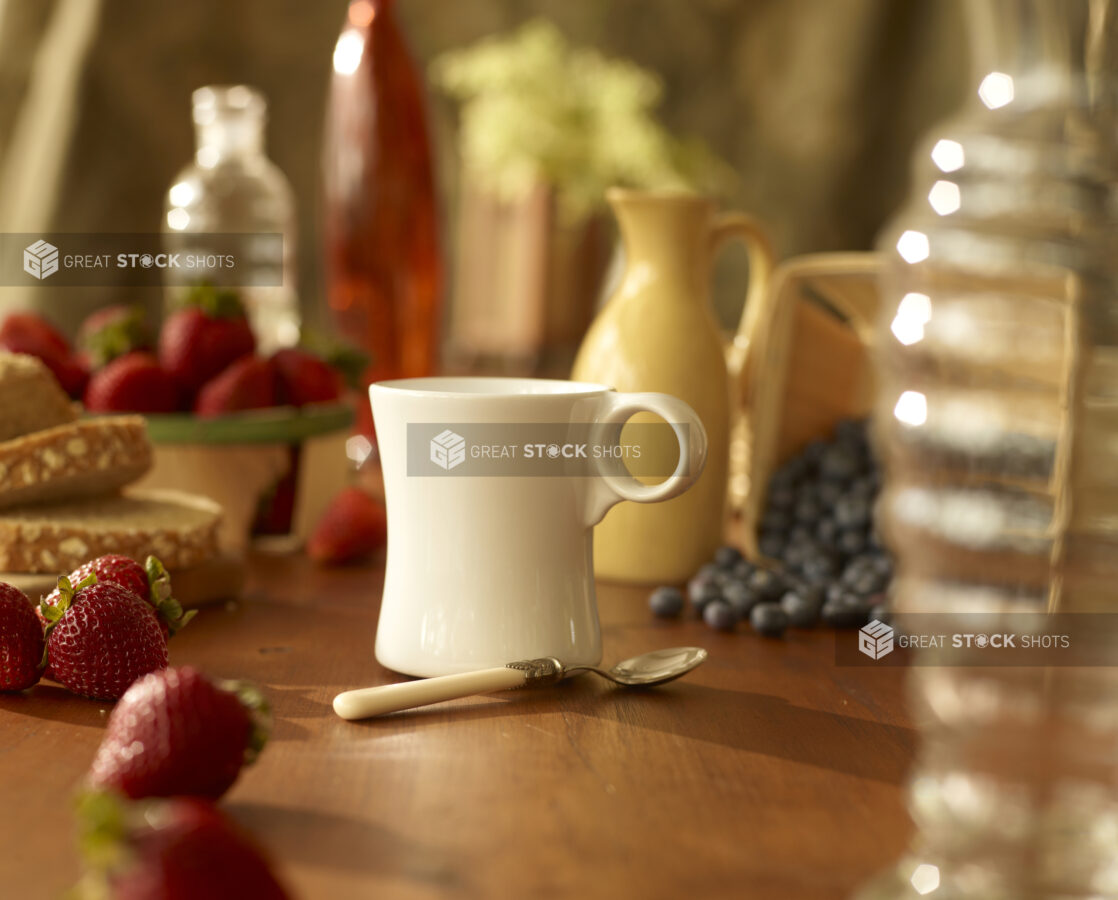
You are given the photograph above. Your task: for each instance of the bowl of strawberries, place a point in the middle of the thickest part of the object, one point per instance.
(263, 434)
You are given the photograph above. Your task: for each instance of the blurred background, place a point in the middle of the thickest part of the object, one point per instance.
(813, 105)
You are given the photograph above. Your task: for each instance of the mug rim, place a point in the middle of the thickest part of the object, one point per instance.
(441, 386)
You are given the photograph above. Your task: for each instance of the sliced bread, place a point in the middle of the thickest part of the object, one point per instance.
(179, 528)
(30, 397)
(91, 456)
(216, 579)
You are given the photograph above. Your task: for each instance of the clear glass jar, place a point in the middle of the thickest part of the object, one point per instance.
(997, 417)
(232, 187)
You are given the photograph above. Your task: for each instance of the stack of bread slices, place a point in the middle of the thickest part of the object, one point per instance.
(64, 496)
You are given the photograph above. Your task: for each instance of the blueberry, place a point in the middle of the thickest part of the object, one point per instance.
(827, 493)
(768, 619)
(720, 616)
(740, 596)
(882, 562)
(839, 463)
(701, 590)
(852, 511)
(777, 520)
(867, 583)
(782, 481)
(743, 568)
(851, 543)
(863, 570)
(819, 567)
(801, 534)
(807, 492)
(796, 553)
(802, 606)
(781, 497)
(814, 451)
(666, 602)
(851, 431)
(766, 585)
(864, 486)
(808, 511)
(709, 571)
(771, 544)
(826, 531)
(845, 611)
(727, 557)
(792, 471)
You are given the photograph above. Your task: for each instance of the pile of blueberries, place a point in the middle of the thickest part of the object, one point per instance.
(818, 528)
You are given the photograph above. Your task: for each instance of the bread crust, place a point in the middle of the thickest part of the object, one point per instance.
(179, 528)
(78, 459)
(30, 397)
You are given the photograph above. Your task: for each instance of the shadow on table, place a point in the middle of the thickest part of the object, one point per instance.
(333, 841)
(762, 723)
(743, 720)
(53, 703)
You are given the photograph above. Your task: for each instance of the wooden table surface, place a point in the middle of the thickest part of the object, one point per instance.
(767, 773)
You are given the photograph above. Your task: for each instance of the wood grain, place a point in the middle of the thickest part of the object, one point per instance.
(767, 773)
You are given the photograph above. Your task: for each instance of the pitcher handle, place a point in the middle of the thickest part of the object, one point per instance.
(614, 482)
(750, 231)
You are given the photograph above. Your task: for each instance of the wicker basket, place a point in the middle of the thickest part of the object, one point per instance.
(805, 368)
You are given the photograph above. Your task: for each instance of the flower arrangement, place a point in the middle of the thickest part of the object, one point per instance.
(536, 110)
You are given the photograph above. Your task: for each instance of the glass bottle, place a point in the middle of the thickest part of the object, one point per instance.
(232, 187)
(383, 266)
(997, 416)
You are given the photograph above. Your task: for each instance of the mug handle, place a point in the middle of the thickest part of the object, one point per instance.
(614, 482)
(750, 231)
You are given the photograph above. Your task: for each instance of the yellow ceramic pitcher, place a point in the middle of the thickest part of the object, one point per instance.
(658, 333)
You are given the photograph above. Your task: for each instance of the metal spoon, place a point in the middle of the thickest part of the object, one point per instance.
(645, 670)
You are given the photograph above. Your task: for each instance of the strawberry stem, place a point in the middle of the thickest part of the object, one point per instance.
(102, 840)
(260, 713)
(126, 333)
(167, 607)
(53, 613)
(215, 302)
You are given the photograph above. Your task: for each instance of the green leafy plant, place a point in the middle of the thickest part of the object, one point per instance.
(536, 110)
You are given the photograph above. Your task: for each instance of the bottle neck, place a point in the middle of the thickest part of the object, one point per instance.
(228, 139)
(1031, 48)
(667, 239)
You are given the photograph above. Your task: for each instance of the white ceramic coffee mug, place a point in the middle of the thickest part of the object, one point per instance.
(488, 561)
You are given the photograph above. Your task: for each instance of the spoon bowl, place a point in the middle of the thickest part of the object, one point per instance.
(648, 669)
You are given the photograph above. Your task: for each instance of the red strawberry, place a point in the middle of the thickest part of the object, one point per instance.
(247, 384)
(276, 508)
(177, 849)
(101, 637)
(176, 732)
(132, 383)
(304, 378)
(113, 331)
(353, 526)
(204, 337)
(150, 582)
(27, 332)
(32, 334)
(72, 373)
(21, 641)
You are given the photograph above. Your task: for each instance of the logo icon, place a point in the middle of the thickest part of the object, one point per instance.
(876, 640)
(448, 450)
(40, 259)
